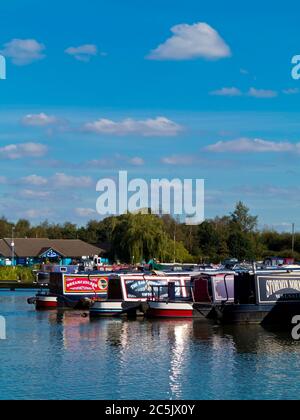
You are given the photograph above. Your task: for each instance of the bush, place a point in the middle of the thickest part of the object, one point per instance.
(24, 274)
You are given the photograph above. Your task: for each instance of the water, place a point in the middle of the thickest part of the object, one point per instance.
(51, 355)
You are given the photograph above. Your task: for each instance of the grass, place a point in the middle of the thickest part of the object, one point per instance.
(23, 274)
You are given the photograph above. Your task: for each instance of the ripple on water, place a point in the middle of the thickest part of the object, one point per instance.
(50, 355)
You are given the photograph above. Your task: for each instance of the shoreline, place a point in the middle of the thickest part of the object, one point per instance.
(14, 285)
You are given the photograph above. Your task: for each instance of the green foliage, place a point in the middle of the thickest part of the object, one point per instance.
(179, 252)
(241, 246)
(137, 237)
(23, 274)
(5, 228)
(242, 218)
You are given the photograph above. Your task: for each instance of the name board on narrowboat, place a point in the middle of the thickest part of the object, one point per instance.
(84, 284)
(142, 289)
(271, 289)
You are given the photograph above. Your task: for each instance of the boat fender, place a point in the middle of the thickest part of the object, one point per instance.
(31, 301)
(86, 302)
(144, 307)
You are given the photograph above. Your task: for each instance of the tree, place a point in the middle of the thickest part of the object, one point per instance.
(69, 231)
(241, 246)
(22, 228)
(208, 239)
(243, 219)
(179, 252)
(146, 236)
(5, 228)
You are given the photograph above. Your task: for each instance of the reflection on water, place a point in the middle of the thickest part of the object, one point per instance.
(65, 355)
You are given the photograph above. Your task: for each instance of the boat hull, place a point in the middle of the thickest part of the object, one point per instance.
(170, 310)
(107, 308)
(46, 302)
(75, 302)
(280, 313)
(203, 310)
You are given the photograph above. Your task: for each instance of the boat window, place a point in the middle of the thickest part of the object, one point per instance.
(114, 289)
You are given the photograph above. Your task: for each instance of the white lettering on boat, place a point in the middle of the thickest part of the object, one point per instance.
(274, 286)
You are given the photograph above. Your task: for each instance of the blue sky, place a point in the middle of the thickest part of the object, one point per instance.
(160, 88)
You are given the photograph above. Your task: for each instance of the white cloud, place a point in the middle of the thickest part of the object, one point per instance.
(36, 213)
(159, 126)
(275, 191)
(199, 40)
(244, 72)
(32, 194)
(34, 180)
(39, 120)
(246, 145)
(61, 180)
(254, 93)
(58, 180)
(19, 151)
(23, 51)
(233, 91)
(85, 212)
(292, 91)
(102, 163)
(262, 93)
(116, 161)
(178, 160)
(83, 52)
(137, 161)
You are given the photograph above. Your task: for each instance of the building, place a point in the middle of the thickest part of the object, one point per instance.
(29, 251)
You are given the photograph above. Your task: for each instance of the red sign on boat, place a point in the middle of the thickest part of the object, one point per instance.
(83, 284)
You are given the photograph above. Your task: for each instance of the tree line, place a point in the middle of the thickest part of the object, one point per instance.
(138, 237)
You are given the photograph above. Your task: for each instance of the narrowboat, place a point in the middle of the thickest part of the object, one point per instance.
(177, 304)
(75, 291)
(276, 262)
(195, 299)
(44, 299)
(129, 294)
(262, 297)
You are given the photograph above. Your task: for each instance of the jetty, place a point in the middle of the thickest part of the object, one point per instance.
(17, 284)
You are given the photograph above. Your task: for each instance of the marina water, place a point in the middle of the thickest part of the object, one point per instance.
(64, 355)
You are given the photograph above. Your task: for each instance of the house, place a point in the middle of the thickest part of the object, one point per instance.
(29, 251)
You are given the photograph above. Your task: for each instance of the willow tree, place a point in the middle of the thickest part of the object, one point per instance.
(145, 237)
(138, 237)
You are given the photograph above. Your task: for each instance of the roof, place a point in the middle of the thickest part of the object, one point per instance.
(34, 247)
